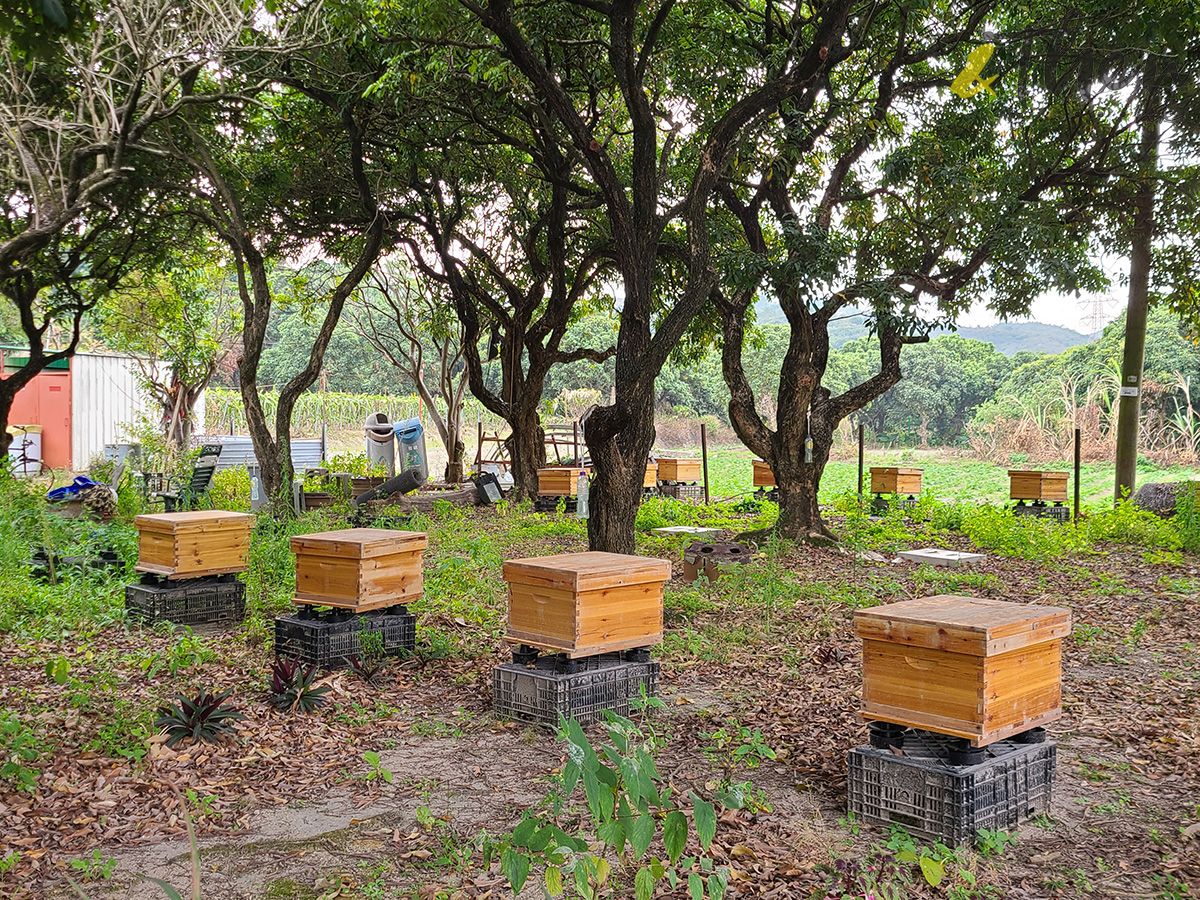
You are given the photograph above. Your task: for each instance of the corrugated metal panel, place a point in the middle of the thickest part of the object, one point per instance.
(106, 399)
(237, 451)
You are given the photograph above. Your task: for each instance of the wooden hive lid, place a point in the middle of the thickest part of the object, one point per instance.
(968, 625)
(359, 543)
(586, 571)
(551, 469)
(192, 520)
(891, 469)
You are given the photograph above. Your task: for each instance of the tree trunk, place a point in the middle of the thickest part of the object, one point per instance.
(1129, 411)
(619, 446)
(526, 449)
(8, 394)
(799, 512)
(797, 481)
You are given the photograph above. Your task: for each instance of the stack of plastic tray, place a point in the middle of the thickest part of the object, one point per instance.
(329, 639)
(931, 798)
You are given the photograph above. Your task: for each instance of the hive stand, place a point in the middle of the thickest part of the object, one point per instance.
(1046, 492)
(365, 576)
(979, 670)
(188, 561)
(582, 625)
(329, 638)
(904, 484)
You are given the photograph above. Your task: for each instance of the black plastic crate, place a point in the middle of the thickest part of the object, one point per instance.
(923, 792)
(549, 503)
(195, 602)
(1059, 513)
(881, 504)
(541, 695)
(679, 491)
(329, 639)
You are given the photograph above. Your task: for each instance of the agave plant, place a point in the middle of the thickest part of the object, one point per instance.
(291, 686)
(204, 717)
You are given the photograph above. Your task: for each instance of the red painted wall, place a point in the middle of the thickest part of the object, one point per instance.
(46, 401)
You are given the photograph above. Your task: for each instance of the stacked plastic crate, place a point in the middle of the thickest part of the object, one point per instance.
(957, 691)
(352, 584)
(583, 625)
(189, 562)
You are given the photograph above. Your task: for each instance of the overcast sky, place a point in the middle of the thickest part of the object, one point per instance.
(1086, 314)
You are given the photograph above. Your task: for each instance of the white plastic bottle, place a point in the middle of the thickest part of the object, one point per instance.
(581, 496)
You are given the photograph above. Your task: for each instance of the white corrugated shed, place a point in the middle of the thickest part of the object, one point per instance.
(106, 399)
(237, 451)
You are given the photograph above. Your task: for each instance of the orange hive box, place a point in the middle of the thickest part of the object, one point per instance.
(1049, 487)
(977, 669)
(681, 470)
(896, 481)
(763, 476)
(359, 569)
(583, 604)
(193, 544)
(558, 481)
(651, 478)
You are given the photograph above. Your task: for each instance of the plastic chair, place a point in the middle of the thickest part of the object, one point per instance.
(189, 496)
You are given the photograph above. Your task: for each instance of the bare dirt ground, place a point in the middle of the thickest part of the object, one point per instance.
(291, 812)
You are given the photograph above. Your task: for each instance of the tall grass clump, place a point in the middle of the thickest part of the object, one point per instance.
(80, 601)
(995, 528)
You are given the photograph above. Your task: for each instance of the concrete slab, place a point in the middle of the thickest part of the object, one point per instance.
(935, 556)
(690, 530)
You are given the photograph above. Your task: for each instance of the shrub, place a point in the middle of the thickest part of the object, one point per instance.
(231, 490)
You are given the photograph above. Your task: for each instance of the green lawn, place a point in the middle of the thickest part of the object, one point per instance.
(960, 479)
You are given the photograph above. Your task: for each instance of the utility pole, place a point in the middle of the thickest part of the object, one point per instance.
(1130, 402)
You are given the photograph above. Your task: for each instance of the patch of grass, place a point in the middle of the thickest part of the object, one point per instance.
(960, 479)
(942, 580)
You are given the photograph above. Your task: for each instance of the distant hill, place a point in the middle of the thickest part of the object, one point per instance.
(1009, 338)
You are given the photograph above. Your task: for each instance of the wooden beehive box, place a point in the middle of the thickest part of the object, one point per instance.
(763, 476)
(1049, 487)
(896, 481)
(359, 569)
(193, 544)
(651, 479)
(558, 481)
(583, 604)
(977, 669)
(681, 470)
